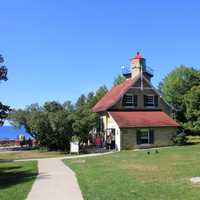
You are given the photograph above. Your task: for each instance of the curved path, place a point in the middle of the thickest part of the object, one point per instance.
(55, 181)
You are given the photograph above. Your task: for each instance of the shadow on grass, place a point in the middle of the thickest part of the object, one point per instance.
(13, 175)
(5, 161)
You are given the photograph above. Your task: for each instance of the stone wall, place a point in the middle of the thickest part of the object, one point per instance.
(162, 137)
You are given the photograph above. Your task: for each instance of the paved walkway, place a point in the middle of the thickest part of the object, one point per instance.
(55, 181)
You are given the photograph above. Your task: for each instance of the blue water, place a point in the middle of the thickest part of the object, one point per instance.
(10, 132)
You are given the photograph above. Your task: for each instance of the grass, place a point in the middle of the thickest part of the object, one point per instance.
(136, 175)
(29, 154)
(16, 179)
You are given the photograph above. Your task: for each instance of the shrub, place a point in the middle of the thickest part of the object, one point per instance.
(193, 139)
(75, 138)
(180, 139)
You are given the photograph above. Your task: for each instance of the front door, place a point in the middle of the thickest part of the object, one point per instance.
(110, 138)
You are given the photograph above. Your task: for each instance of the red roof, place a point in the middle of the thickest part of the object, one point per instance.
(113, 95)
(143, 119)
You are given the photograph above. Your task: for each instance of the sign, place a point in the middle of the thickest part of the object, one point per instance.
(74, 147)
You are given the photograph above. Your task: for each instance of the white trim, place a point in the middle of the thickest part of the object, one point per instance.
(133, 102)
(117, 133)
(130, 95)
(133, 82)
(148, 131)
(153, 101)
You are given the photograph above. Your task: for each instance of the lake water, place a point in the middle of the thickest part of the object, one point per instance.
(10, 132)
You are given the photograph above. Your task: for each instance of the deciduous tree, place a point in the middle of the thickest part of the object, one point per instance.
(176, 84)
(4, 109)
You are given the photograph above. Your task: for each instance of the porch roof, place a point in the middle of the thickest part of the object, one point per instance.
(143, 119)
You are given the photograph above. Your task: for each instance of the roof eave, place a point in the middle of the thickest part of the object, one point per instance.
(154, 126)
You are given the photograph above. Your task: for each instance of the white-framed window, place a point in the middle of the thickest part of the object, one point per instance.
(129, 100)
(144, 136)
(150, 100)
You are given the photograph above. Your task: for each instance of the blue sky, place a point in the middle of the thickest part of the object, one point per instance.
(57, 50)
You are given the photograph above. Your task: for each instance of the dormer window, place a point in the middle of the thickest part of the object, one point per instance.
(129, 100)
(150, 100)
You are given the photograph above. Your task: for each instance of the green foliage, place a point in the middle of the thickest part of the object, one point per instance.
(119, 79)
(3, 69)
(51, 124)
(75, 138)
(4, 109)
(181, 89)
(192, 104)
(193, 139)
(83, 117)
(54, 124)
(180, 139)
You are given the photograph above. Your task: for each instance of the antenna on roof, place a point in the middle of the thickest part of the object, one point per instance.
(141, 77)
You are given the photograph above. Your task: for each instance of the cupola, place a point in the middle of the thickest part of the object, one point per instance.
(138, 65)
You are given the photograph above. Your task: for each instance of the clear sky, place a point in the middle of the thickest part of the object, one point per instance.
(59, 49)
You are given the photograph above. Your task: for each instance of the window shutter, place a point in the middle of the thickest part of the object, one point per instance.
(151, 136)
(156, 100)
(145, 100)
(135, 100)
(138, 137)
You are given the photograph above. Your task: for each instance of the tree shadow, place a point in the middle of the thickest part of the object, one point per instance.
(5, 161)
(13, 175)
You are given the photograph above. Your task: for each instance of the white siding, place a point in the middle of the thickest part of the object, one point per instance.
(113, 124)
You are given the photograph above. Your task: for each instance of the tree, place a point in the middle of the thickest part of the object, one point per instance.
(119, 79)
(176, 84)
(53, 106)
(68, 106)
(4, 109)
(54, 124)
(50, 125)
(192, 102)
(101, 92)
(3, 69)
(83, 117)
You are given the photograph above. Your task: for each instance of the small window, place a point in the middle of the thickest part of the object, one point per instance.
(149, 100)
(129, 100)
(144, 136)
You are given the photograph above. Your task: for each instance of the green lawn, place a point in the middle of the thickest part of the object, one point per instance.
(138, 176)
(16, 179)
(30, 154)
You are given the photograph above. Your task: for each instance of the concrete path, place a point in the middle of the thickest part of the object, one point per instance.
(55, 181)
(67, 157)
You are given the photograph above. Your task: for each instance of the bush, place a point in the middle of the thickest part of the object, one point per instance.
(75, 138)
(193, 139)
(180, 139)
